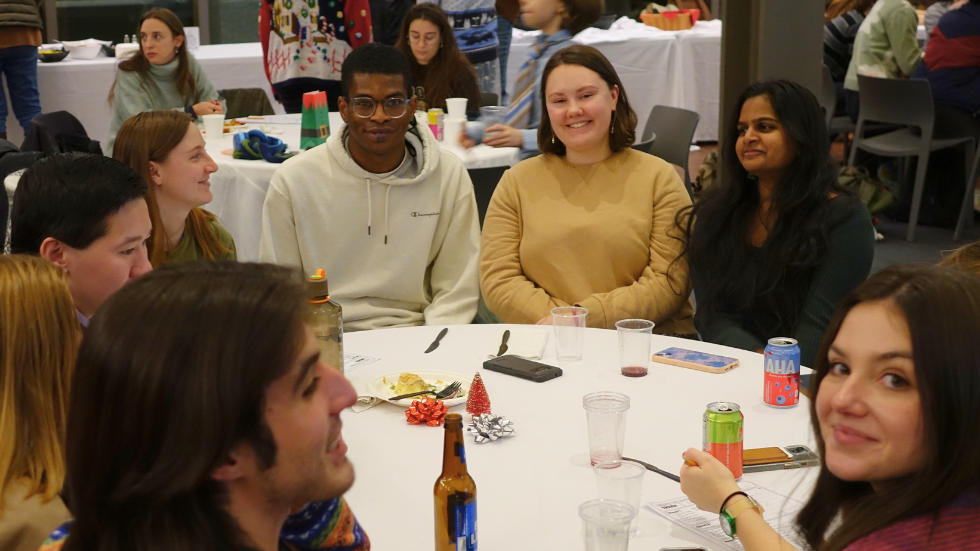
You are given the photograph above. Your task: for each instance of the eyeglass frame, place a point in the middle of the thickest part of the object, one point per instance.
(375, 103)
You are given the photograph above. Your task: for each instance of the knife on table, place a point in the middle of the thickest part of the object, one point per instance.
(503, 343)
(653, 468)
(435, 343)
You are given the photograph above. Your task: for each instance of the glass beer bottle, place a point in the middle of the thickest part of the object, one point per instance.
(455, 493)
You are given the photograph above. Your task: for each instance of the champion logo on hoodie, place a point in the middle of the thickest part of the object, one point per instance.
(417, 214)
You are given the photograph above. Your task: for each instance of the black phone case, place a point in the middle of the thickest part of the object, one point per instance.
(525, 369)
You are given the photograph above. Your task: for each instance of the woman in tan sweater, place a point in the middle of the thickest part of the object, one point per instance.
(589, 222)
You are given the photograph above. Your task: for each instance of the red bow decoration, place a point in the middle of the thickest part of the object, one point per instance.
(431, 412)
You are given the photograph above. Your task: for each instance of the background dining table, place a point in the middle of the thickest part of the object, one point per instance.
(529, 486)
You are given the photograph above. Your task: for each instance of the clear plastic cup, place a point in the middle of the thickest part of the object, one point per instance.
(621, 481)
(606, 415)
(569, 324)
(605, 524)
(634, 346)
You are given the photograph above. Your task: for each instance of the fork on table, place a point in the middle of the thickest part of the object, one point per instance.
(441, 395)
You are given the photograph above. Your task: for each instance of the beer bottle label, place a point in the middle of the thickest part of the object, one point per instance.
(466, 527)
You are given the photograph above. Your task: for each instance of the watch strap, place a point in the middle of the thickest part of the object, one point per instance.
(741, 505)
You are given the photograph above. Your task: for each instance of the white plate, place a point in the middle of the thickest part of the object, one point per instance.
(382, 386)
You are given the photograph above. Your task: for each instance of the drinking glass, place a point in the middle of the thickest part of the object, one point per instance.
(569, 324)
(605, 524)
(622, 481)
(634, 346)
(606, 416)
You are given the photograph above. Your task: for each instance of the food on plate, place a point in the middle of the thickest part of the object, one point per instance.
(50, 51)
(233, 122)
(408, 383)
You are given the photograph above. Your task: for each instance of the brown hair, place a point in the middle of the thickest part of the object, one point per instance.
(966, 257)
(139, 63)
(580, 14)
(448, 61)
(941, 308)
(623, 123)
(151, 136)
(185, 355)
(38, 344)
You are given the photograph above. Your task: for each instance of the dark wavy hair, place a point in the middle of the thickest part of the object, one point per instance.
(171, 376)
(448, 60)
(623, 123)
(717, 226)
(139, 63)
(941, 307)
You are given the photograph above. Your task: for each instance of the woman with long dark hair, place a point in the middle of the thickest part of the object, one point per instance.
(589, 222)
(776, 244)
(895, 413)
(439, 68)
(160, 75)
(167, 150)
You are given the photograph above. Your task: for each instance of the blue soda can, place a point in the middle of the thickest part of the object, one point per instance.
(782, 378)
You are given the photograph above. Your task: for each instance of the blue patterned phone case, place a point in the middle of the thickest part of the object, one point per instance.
(692, 359)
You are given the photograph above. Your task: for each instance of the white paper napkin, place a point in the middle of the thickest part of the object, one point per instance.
(365, 398)
(525, 343)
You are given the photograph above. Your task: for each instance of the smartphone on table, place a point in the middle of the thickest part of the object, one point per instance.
(778, 458)
(692, 359)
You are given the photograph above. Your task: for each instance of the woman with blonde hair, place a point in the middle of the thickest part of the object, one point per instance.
(167, 150)
(38, 345)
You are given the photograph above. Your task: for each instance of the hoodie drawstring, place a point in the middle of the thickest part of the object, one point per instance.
(387, 190)
(368, 183)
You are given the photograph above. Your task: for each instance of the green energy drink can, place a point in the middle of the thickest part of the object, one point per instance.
(722, 436)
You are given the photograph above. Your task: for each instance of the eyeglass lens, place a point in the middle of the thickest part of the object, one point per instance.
(393, 107)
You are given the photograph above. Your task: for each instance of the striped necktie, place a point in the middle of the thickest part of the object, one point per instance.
(519, 113)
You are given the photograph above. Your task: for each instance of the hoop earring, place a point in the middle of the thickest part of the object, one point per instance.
(612, 122)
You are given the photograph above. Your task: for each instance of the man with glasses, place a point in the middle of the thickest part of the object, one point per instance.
(389, 216)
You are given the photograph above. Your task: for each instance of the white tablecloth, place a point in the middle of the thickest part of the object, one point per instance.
(239, 186)
(529, 486)
(675, 68)
(82, 86)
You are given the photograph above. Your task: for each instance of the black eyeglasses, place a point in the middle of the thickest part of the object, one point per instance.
(365, 107)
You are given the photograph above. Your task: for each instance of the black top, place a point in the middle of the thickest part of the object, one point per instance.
(463, 86)
(846, 263)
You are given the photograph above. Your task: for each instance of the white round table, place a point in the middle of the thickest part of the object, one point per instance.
(529, 486)
(239, 186)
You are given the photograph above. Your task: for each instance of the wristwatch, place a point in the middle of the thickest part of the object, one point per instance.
(730, 512)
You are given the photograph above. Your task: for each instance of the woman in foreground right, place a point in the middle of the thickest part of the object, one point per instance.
(895, 416)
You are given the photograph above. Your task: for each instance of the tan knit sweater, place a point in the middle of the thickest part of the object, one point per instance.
(600, 236)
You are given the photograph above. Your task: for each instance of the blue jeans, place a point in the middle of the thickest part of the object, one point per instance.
(19, 67)
(504, 33)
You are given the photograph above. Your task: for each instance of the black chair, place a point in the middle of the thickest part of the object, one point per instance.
(11, 160)
(58, 132)
(673, 131)
(484, 182)
(243, 102)
(487, 99)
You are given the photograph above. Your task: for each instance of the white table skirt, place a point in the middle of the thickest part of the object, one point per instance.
(82, 86)
(529, 487)
(239, 186)
(675, 68)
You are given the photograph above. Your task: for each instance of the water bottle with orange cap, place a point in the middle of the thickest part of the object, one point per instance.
(325, 317)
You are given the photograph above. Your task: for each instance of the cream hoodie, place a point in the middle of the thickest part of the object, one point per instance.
(399, 249)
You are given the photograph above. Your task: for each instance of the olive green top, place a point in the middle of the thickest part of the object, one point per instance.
(188, 249)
